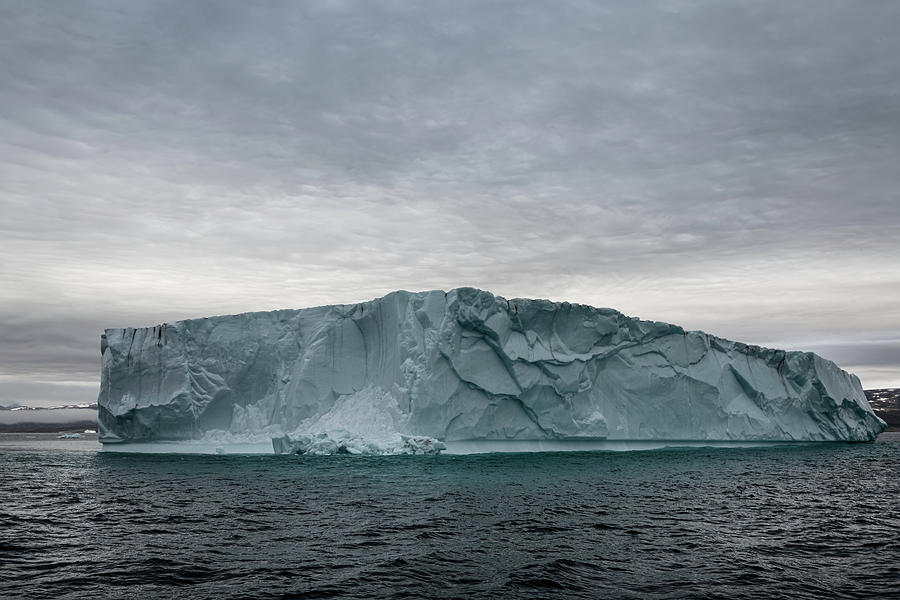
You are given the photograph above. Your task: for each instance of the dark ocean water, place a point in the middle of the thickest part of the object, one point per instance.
(816, 521)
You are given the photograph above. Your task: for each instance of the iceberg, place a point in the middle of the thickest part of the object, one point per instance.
(461, 371)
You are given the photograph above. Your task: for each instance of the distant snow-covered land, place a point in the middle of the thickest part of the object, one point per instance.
(886, 404)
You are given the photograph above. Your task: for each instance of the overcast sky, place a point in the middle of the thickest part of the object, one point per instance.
(732, 167)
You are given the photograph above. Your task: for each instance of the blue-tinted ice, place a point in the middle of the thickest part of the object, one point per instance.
(410, 372)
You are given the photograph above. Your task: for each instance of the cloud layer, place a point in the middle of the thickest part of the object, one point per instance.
(731, 168)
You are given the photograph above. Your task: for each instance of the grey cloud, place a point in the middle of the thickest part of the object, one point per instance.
(729, 167)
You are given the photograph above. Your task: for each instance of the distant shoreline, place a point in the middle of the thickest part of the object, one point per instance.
(32, 427)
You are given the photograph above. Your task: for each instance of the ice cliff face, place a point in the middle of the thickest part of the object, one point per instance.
(463, 365)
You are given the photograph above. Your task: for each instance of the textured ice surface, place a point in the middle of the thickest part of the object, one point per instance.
(465, 368)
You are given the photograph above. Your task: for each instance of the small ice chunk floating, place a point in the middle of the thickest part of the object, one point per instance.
(460, 371)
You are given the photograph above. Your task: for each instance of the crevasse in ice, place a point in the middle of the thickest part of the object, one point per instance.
(413, 372)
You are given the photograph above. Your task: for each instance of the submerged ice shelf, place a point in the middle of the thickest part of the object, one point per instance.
(465, 370)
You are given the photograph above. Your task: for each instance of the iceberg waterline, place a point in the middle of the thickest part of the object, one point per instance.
(462, 368)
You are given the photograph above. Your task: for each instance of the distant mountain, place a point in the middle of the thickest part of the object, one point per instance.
(886, 404)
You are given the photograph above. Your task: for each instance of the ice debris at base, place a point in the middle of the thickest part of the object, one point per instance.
(70, 436)
(409, 372)
(323, 443)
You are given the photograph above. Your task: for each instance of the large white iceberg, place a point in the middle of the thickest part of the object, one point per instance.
(415, 372)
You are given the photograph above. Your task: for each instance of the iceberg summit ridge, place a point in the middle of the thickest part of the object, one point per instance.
(420, 372)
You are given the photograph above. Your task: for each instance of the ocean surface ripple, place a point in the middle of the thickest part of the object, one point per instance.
(810, 521)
